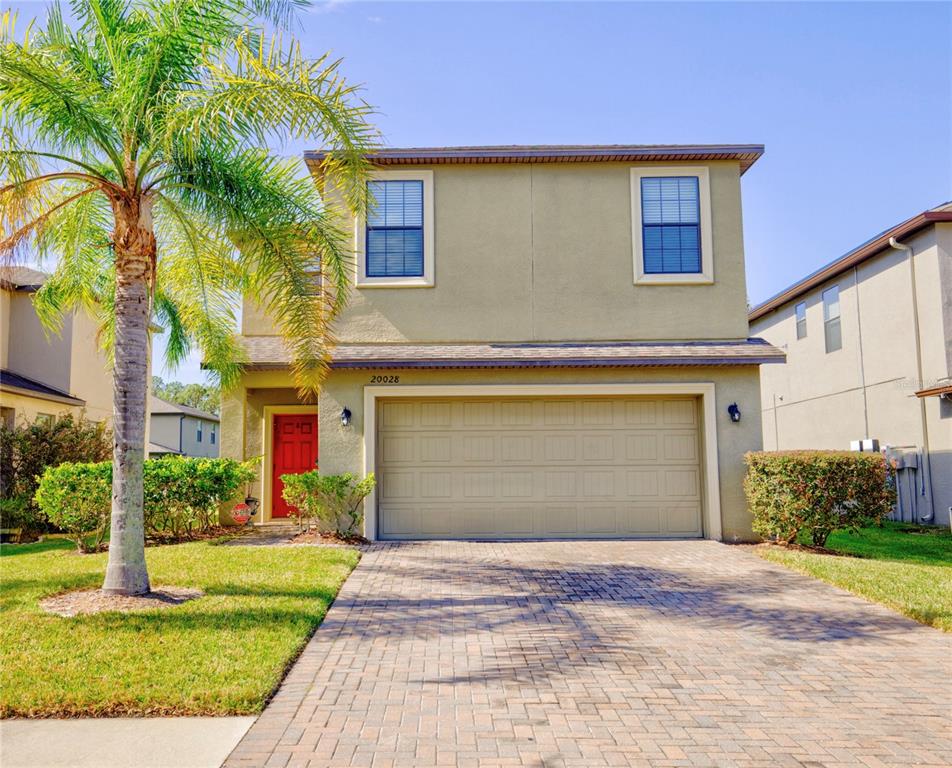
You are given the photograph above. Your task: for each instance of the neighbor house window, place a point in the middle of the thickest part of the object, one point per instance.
(8, 417)
(198, 433)
(46, 419)
(395, 241)
(831, 319)
(211, 437)
(801, 310)
(671, 225)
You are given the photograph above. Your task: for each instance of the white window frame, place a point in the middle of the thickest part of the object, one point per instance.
(427, 279)
(706, 275)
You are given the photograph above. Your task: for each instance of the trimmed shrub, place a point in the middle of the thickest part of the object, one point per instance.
(78, 499)
(27, 449)
(182, 495)
(815, 492)
(334, 500)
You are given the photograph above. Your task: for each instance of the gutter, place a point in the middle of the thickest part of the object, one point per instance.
(844, 263)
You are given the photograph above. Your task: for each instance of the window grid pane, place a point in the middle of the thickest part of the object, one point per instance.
(394, 240)
(671, 227)
(801, 310)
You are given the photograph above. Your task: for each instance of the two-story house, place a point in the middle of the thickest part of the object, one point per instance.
(180, 429)
(47, 375)
(541, 342)
(868, 340)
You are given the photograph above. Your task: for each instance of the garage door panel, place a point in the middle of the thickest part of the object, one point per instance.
(682, 519)
(642, 520)
(538, 467)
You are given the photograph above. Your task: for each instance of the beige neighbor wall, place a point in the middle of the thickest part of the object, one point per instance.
(867, 388)
(544, 252)
(27, 408)
(33, 353)
(90, 370)
(341, 448)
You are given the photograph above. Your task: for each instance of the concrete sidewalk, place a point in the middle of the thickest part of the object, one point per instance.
(144, 742)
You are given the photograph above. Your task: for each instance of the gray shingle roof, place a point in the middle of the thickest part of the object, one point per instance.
(269, 352)
(159, 406)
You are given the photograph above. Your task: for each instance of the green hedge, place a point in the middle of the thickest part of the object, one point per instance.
(181, 496)
(815, 492)
(78, 499)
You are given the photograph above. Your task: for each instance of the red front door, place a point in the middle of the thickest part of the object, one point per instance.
(295, 451)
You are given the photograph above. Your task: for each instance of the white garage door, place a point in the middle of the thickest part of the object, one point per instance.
(532, 467)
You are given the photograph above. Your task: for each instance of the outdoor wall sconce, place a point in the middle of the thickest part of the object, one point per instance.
(345, 417)
(734, 412)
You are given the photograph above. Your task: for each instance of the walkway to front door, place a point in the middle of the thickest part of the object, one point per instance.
(687, 653)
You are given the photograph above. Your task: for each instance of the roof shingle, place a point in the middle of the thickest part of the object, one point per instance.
(269, 352)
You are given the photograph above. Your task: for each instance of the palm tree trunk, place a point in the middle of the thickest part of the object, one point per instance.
(135, 258)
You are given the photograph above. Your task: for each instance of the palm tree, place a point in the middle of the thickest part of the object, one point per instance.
(132, 149)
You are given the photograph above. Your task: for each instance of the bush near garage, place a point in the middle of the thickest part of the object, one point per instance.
(181, 496)
(815, 492)
(333, 500)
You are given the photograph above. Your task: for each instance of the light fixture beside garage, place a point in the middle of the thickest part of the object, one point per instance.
(734, 412)
(345, 417)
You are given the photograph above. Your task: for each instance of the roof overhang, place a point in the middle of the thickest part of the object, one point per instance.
(745, 154)
(40, 395)
(866, 251)
(269, 353)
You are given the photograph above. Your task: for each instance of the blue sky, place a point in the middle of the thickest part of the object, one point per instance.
(853, 101)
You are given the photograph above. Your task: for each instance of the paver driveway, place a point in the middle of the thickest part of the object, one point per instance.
(604, 653)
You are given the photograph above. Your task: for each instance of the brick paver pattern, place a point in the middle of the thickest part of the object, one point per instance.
(687, 653)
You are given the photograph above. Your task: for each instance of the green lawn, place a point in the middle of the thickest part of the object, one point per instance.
(221, 654)
(896, 565)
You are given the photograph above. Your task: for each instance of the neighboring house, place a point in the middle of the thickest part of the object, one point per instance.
(869, 356)
(47, 375)
(541, 342)
(182, 430)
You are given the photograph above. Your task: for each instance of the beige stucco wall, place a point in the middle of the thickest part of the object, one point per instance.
(69, 360)
(90, 370)
(27, 408)
(31, 351)
(820, 400)
(544, 252)
(341, 449)
(5, 300)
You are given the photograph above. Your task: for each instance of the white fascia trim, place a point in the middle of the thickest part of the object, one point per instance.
(706, 275)
(704, 390)
(360, 237)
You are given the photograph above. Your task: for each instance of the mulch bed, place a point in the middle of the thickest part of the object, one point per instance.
(89, 601)
(329, 538)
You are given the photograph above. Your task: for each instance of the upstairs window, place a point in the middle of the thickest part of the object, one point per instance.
(671, 225)
(671, 234)
(395, 242)
(395, 229)
(801, 310)
(831, 319)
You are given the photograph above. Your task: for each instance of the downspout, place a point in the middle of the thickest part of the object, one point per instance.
(922, 405)
(862, 363)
